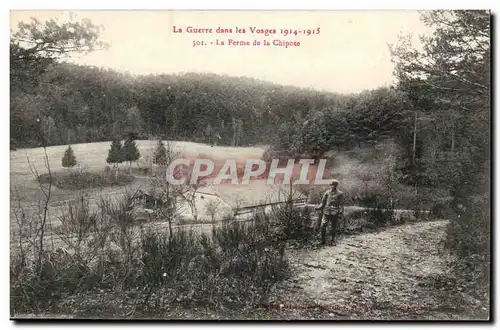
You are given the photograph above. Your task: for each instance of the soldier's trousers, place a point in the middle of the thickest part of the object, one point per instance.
(332, 220)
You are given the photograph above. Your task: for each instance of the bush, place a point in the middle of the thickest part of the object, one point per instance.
(212, 208)
(316, 194)
(275, 153)
(469, 230)
(380, 215)
(442, 210)
(292, 223)
(143, 170)
(468, 237)
(69, 159)
(85, 180)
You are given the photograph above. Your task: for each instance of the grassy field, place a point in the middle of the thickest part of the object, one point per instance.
(358, 171)
(91, 157)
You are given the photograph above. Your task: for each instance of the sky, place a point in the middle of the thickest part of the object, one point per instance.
(350, 54)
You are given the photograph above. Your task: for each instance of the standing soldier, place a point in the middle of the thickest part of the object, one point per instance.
(332, 205)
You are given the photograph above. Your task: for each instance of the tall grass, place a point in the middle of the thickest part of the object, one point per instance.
(237, 264)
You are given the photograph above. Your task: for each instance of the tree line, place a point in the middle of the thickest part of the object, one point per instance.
(54, 102)
(117, 154)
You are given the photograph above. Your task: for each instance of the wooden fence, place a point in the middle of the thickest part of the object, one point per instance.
(252, 208)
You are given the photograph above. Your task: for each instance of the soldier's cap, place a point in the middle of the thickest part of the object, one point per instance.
(334, 182)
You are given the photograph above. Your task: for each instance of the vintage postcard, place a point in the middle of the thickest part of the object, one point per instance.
(250, 165)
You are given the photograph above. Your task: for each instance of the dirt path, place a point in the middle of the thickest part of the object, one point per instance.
(393, 274)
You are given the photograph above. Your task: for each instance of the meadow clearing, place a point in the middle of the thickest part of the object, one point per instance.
(91, 157)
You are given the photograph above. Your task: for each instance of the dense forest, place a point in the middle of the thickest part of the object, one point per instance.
(73, 104)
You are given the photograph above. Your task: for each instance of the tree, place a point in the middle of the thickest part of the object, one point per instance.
(52, 39)
(212, 207)
(69, 159)
(170, 208)
(130, 151)
(449, 81)
(115, 154)
(189, 191)
(160, 154)
(209, 134)
(34, 47)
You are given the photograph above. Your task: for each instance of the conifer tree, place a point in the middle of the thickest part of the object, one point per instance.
(69, 159)
(160, 154)
(115, 155)
(130, 151)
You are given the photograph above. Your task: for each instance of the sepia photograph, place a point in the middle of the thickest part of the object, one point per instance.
(250, 165)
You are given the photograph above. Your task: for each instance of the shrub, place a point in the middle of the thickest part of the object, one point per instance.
(380, 215)
(292, 223)
(85, 180)
(212, 208)
(69, 159)
(469, 230)
(316, 194)
(78, 223)
(160, 154)
(468, 237)
(442, 210)
(143, 170)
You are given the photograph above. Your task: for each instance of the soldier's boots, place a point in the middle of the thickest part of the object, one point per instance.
(323, 237)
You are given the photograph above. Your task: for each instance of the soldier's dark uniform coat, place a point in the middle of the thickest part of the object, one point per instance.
(332, 206)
